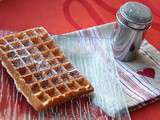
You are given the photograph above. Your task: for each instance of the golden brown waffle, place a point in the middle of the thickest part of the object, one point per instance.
(40, 70)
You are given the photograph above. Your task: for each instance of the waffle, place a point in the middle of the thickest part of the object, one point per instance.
(40, 70)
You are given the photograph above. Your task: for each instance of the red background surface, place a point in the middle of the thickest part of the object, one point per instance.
(60, 16)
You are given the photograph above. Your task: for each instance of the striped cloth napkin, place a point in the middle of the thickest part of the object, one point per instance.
(140, 78)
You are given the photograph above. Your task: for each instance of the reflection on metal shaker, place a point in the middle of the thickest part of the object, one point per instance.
(133, 19)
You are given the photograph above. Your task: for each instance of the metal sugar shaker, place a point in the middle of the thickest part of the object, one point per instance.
(133, 19)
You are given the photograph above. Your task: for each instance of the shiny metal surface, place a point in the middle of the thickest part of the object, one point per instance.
(133, 19)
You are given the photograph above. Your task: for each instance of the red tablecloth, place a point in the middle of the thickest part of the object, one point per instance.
(60, 16)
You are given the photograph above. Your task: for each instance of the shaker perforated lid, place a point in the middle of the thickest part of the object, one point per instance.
(135, 15)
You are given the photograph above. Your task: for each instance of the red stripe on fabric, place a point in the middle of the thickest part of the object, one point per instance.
(127, 88)
(135, 86)
(129, 95)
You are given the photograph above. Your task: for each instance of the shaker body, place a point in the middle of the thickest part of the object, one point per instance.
(126, 42)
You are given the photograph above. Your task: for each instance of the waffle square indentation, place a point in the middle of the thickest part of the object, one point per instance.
(23, 71)
(27, 60)
(29, 79)
(56, 80)
(35, 88)
(17, 63)
(42, 97)
(75, 74)
(53, 62)
(16, 45)
(45, 84)
(27, 42)
(73, 85)
(22, 52)
(33, 50)
(41, 48)
(62, 88)
(52, 92)
(12, 55)
(39, 76)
